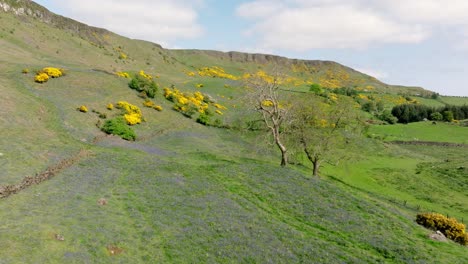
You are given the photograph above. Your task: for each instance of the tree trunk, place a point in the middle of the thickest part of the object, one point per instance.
(314, 159)
(284, 158)
(316, 164)
(283, 149)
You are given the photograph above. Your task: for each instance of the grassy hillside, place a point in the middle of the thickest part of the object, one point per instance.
(188, 193)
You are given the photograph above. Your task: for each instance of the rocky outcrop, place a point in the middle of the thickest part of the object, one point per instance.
(438, 236)
(28, 8)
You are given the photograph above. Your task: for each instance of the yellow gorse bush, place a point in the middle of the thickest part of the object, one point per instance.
(187, 102)
(362, 96)
(123, 74)
(46, 73)
(333, 96)
(53, 72)
(83, 109)
(110, 106)
(450, 227)
(41, 78)
(132, 119)
(218, 106)
(132, 114)
(122, 56)
(262, 75)
(191, 74)
(216, 71)
(144, 75)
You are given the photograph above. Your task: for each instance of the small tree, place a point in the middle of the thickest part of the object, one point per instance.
(265, 99)
(324, 131)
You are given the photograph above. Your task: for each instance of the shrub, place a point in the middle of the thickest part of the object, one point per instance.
(52, 72)
(436, 116)
(387, 116)
(144, 83)
(203, 119)
(148, 103)
(448, 116)
(315, 88)
(158, 108)
(132, 114)
(25, 71)
(110, 106)
(218, 123)
(123, 75)
(122, 56)
(450, 227)
(132, 119)
(41, 78)
(118, 126)
(83, 109)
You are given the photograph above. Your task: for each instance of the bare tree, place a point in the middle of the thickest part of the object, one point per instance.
(265, 98)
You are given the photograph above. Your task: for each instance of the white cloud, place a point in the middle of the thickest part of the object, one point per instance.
(302, 25)
(448, 12)
(161, 21)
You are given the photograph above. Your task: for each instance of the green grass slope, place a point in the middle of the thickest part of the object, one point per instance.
(187, 193)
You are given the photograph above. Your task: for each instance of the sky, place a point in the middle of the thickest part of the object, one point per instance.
(413, 43)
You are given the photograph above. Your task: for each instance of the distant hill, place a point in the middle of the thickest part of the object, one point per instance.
(326, 73)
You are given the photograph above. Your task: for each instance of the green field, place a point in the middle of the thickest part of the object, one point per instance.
(421, 131)
(454, 100)
(188, 193)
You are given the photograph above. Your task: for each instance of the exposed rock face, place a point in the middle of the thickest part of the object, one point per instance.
(33, 10)
(236, 56)
(438, 236)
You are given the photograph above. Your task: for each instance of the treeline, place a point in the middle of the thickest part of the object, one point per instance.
(407, 113)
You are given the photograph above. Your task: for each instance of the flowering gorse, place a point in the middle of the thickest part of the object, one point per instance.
(216, 71)
(53, 72)
(132, 114)
(41, 78)
(191, 74)
(83, 109)
(123, 74)
(145, 75)
(46, 73)
(188, 103)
